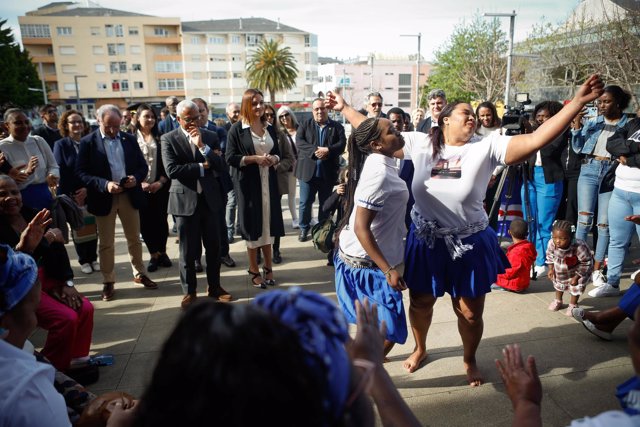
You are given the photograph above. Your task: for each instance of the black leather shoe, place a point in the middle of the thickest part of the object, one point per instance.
(153, 265)
(228, 261)
(164, 261)
(199, 268)
(277, 259)
(304, 236)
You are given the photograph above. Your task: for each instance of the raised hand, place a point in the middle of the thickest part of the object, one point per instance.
(32, 235)
(590, 90)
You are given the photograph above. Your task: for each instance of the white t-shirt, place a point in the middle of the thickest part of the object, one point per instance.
(607, 419)
(379, 189)
(450, 189)
(627, 178)
(27, 395)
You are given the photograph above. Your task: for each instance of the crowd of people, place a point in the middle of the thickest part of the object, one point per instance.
(400, 227)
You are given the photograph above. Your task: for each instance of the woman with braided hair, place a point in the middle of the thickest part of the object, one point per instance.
(450, 247)
(369, 260)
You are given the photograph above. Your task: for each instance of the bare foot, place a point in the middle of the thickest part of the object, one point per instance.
(474, 376)
(415, 361)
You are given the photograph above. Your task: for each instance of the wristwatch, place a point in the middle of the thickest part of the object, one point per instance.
(69, 283)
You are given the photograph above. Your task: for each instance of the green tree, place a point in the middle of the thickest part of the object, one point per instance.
(272, 68)
(18, 73)
(472, 63)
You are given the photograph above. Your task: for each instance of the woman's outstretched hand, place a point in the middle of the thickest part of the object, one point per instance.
(334, 101)
(590, 90)
(521, 381)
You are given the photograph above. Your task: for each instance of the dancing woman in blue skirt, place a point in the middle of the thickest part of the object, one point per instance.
(449, 247)
(369, 260)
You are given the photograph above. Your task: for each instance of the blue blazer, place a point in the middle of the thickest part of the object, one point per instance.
(64, 151)
(167, 125)
(92, 167)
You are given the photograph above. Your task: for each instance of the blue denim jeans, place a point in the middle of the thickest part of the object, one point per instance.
(622, 203)
(544, 200)
(591, 174)
(308, 192)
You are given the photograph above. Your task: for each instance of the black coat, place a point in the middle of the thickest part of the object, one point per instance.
(307, 143)
(246, 182)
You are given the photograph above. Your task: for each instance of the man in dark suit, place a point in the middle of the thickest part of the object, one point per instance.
(48, 130)
(437, 100)
(320, 142)
(111, 166)
(170, 122)
(195, 198)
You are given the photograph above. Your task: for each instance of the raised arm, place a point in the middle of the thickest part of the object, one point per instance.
(522, 146)
(336, 102)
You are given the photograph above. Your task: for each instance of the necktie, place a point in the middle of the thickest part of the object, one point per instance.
(193, 150)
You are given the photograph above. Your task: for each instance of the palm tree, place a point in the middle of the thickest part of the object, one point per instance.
(272, 68)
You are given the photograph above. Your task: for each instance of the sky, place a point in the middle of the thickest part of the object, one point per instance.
(345, 28)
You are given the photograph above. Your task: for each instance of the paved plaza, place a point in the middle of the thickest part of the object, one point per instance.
(579, 372)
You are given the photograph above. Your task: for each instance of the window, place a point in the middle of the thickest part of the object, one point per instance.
(136, 67)
(329, 79)
(133, 31)
(307, 41)
(101, 68)
(138, 85)
(98, 50)
(163, 50)
(195, 40)
(109, 31)
(237, 75)
(197, 75)
(49, 50)
(115, 49)
(307, 75)
(388, 74)
(217, 58)
(39, 31)
(170, 84)
(216, 40)
(307, 57)
(235, 39)
(95, 31)
(119, 85)
(160, 32)
(119, 30)
(69, 69)
(196, 58)
(169, 67)
(404, 79)
(101, 86)
(135, 49)
(404, 95)
(404, 104)
(71, 87)
(64, 31)
(124, 85)
(53, 86)
(217, 75)
(253, 39)
(403, 89)
(235, 58)
(118, 67)
(67, 50)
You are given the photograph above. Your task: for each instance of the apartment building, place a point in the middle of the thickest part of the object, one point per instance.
(216, 52)
(392, 76)
(91, 56)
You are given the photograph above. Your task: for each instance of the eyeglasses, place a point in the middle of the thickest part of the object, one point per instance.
(188, 119)
(269, 115)
(283, 115)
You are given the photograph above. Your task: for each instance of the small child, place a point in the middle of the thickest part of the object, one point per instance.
(521, 254)
(570, 265)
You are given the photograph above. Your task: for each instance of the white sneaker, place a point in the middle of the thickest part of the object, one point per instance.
(95, 265)
(606, 290)
(540, 270)
(294, 224)
(634, 274)
(86, 268)
(598, 278)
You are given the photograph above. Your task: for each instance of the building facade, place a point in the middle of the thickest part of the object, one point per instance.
(89, 56)
(392, 76)
(216, 53)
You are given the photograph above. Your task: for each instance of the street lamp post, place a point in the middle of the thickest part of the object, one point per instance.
(75, 81)
(512, 16)
(419, 36)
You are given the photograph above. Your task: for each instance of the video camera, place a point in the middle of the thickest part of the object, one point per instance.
(514, 118)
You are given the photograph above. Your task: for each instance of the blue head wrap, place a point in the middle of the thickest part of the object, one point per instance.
(323, 332)
(18, 274)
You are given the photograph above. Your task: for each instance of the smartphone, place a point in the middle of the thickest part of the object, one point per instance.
(102, 360)
(123, 181)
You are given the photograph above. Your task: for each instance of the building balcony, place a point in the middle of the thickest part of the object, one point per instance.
(50, 77)
(178, 92)
(46, 59)
(162, 40)
(36, 41)
(160, 75)
(171, 57)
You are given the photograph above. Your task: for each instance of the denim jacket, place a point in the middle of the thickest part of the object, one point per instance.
(584, 141)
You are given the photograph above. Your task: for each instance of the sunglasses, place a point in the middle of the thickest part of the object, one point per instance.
(282, 116)
(376, 104)
(269, 115)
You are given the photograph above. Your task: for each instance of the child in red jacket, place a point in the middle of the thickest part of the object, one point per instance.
(522, 254)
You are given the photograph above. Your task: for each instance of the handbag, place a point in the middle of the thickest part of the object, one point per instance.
(322, 235)
(609, 179)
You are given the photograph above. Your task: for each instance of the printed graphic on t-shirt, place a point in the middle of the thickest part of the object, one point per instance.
(635, 137)
(447, 168)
